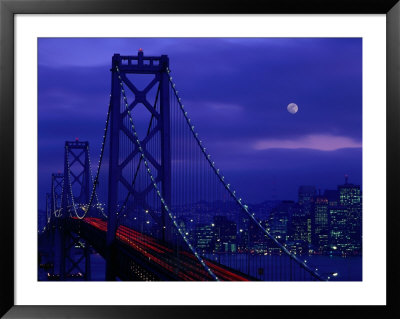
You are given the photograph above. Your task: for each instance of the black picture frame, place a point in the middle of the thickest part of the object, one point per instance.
(8, 10)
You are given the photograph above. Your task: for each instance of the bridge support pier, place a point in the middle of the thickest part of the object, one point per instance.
(75, 256)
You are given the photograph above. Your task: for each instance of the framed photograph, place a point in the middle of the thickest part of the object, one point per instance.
(151, 144)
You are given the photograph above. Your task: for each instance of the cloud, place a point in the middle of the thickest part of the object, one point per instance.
(316, 142)
(225, 107)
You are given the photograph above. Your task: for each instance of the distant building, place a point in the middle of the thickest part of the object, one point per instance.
(339, 237)
(205, 238)
(306, 194)
(324, 224)
(332, 196)
(306, 206)
(279, 220)
(300, 229)
(350, 197)
(243, 236)
(225, 232)
(349, 194)
(321, 225)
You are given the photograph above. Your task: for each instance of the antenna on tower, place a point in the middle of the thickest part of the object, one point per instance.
(346, 178)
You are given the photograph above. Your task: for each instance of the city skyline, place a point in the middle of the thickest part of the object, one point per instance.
(259, 145)
(317, 225)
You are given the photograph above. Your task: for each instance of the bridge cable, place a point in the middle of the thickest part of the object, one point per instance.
(94, 188)
(70, 187)
(96, 180)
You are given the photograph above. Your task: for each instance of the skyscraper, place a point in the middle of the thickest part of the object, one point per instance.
(306, 194)
(306, 202)
(300, 230)
(350, 197)
(349, 194)
(339, 236)
(332, 196)
(225, 232)
(279, 220)
(321, 224)
(205, 237)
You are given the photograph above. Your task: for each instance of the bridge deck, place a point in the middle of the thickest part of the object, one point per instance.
(142, 257)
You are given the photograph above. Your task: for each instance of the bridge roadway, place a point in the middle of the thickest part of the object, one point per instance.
(141, 257)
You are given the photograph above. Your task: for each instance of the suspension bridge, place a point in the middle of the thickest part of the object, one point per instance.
(157, 207)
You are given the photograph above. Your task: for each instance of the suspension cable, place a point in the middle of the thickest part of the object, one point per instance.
(93, 189)
(96, 180)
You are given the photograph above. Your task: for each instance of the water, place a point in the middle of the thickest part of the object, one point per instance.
(98, 267)
(278, 268)
(346, 268)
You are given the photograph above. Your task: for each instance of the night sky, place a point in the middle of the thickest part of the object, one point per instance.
(236, 92)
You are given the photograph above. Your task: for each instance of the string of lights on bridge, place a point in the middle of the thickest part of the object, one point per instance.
(91, 177)
(95, 181)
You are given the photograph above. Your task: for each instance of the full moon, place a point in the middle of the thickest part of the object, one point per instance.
(292, 108)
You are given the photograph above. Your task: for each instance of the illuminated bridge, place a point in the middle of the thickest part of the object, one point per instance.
(157, 206)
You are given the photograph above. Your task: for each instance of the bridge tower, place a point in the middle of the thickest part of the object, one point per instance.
(57, 181)
(74, 250)
(76, 172)
(48, 206)
(121, 67)
(53, 209)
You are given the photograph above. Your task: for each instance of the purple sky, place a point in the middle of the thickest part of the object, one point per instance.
(236, 90)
